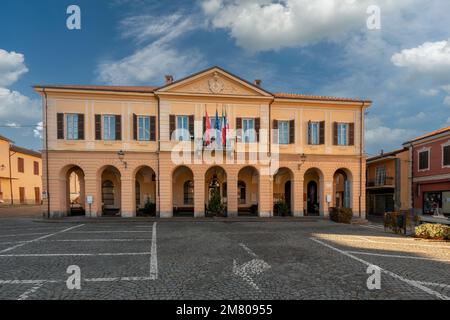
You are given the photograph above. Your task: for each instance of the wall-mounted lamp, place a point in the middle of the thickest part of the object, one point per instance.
(302, 161)
(2, 167)
(121, 155)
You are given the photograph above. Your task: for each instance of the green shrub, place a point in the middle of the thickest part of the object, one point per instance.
(433, 231)
(215, 205)
(341, 215)
(282, 208)
(149, 207)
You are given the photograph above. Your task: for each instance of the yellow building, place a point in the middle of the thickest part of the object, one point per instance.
(142, 147)
(387, 182)
(20, 174)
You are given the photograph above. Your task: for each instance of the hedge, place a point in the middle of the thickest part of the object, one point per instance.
(433, 231)
(341, 215)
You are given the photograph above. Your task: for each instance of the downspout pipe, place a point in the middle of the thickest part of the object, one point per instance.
(361, 158)
(158, 152)
(46, 153)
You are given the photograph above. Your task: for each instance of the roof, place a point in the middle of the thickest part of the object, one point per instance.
(315, 97)
(5, 138)
(430, 134)
(139, 89)
(386, 155)
(26, 151)
(152, 89)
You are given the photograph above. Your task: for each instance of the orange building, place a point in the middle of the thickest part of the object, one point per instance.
(134, 148)
(20, 174)
(387, 187)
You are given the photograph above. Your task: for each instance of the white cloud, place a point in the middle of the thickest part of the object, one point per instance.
(11, 67)
(429, 92)
(14, 105)
(384, 137)
(447, 101)
(430, 58)
(37, 131)
(155, 59)
(261, 25)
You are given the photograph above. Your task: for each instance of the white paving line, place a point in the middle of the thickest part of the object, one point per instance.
(392, 274)
(109, 231)
(389, 242)
(40, 238)
(154, 256)
(22, 234)
(397, 256)
(434, 284)
(41, 282)
(249, 251)
(74, 254)
(26, 294)
(83, 240)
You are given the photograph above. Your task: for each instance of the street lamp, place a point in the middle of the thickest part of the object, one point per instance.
(121, 155)
(2, 167)
(302, 161)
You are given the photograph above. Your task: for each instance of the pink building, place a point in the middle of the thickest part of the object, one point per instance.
(430, 172)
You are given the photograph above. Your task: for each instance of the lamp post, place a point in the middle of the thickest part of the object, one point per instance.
(121, 155)
(302, 161)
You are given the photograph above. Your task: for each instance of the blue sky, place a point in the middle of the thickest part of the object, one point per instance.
(312, 47)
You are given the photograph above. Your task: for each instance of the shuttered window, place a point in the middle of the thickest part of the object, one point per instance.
(36, 168)
(283, 132)
(20, 165)
(72, 126)
(109, 127)
(342, 134)
(423, 160)
(143, 128)
(60, 126)
(446, 155)
(249, 130)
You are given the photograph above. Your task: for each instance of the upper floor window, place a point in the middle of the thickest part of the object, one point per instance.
(283, 132)
(342, 134)
(314, 133)
(183, 128)
(72, 126)
(424, 160)
(380, 176)
(20, 165)
(248, 126)
(446, 155)
(109, 127)
(36, 168)
(144, 128)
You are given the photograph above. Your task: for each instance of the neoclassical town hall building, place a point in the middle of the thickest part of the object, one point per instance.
(113, 150)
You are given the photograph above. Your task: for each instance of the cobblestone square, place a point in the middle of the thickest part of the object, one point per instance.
(217, 260)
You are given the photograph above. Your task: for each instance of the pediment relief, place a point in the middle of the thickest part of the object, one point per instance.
(215, 82)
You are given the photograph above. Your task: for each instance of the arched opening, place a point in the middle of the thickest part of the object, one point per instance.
(313, 192)
(248, 192)
(145, 191)
(183, 192)
(75, 191)
(111, 191)
(283, 203)
(216, 182)
(342, 189)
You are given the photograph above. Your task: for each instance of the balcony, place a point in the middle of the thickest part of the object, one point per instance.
(386, 182)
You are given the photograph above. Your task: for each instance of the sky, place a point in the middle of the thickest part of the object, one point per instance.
(400, 61)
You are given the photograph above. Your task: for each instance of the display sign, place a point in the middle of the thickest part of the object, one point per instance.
(90, 199)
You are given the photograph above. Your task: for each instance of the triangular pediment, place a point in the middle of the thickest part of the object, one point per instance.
(214, 81)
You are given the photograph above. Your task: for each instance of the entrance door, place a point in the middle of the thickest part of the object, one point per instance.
(22, 195)
(287, 194)
(37, 195)
(312, 203)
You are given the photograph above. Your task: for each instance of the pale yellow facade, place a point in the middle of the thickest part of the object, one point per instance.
(20, 175)
(301, 172)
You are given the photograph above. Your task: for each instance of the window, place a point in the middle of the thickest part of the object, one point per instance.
(241, 192)
(380, 176)
(144, 128)
(36, 168)
(183, 128)
(20, 165)
(72, 126)
(109, 127)
(446, 155)
(283, 132)
(188, 190)
(423, 160)
(249, 130)
(314, 133)
(342, 134)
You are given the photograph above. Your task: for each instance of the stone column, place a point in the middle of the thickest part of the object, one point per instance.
(127, 197)
(297, 196)
(326, 187)
(199, 194)
(232, 192)
(265, 196)
(92, 187)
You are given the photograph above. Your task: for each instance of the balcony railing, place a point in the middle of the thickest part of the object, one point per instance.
(387, 181)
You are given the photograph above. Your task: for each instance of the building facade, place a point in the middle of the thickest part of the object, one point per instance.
(387, 182)
(20, 174)
(430, 172)
(170, 147)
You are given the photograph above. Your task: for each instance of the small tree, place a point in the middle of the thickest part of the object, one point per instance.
(215, 205)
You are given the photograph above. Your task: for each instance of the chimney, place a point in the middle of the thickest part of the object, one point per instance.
(257, 82)
(169, 79)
